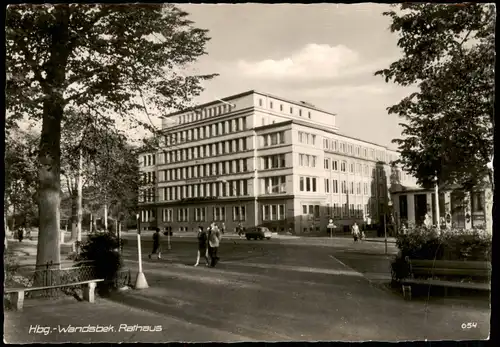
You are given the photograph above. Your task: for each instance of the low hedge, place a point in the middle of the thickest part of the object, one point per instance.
(449, 244)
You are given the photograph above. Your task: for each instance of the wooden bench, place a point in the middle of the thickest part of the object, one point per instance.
(424, 272)
(17, 294)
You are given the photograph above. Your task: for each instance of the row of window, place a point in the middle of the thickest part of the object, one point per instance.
(205, 113)
(274, 139)
(272, 185)
(312, 210)
(148, 177)
(269, 212)
(282, 108)
(147, 215)
(276, 161)
(349, 210)
(337, 211)
(201, 215)
(307, 160)
(354, 150)
(206, 131)
(204, 170)
(357, 168)
(275, 185)
(306, 138)
(307, 184)
(204, 190)
(204, 151)
(148, 160)
(343, 185)
(273, 212)
(147, 195)
(331, 164)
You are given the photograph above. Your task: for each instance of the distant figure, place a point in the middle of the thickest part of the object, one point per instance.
(156, 244)
(28, 234)
(20, 233)
(239, 230)
(223, 227)
(355, 232)
(403, 228)
(428, 220)
(214, 241)
(202, 246)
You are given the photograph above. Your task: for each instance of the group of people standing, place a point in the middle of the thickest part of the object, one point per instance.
(208, 244)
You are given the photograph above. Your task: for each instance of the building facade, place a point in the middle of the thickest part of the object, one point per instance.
(258, 159)
(458, 208)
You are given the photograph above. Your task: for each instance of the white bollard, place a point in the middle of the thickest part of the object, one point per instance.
(140, 282)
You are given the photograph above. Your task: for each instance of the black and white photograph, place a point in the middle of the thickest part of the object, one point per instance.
(248, 172)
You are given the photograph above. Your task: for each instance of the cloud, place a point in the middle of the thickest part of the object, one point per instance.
(312, 62)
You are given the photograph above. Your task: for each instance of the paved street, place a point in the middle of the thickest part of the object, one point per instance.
(276, 290)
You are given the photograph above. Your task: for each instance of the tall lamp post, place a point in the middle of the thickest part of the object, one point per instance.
(389, 205)
(140, 282)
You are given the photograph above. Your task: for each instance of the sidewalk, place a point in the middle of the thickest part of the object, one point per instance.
(191, 234)
(25, 253)
(115, 322)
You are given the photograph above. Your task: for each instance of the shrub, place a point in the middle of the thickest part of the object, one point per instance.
(11, 267)
(450, 244)
(102, 249)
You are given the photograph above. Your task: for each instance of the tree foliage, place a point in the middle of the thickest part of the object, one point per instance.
(448, 52)
(111, 59)
(114, 175)
(20, 175)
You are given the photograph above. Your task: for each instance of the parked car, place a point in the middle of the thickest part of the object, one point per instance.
(258, 233)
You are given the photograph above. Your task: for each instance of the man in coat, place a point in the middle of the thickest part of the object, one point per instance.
(214, 241)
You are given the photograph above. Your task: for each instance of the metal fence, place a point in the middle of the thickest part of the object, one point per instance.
(53, 275)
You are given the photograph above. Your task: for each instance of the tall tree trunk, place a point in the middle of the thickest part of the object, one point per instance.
(6, 231)
(79, 202)
(48, 247)
(74, 214)
(13, 217)
(488, 203)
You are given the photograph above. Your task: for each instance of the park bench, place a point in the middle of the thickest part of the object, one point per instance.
(447, 274)
(17, 294)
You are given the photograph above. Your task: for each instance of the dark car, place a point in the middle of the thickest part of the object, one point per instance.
(258, 233)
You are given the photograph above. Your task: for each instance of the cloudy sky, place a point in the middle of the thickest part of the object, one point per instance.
(325, 54)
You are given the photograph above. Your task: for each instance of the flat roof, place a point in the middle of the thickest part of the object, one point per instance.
(298, 103)
(249, 92)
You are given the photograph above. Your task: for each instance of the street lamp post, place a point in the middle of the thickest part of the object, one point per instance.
(140, 282)
(389, 204)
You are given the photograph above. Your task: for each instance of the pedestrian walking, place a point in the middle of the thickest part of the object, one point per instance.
(20, 233)
(213, 242)
(156, 244)
(202, 246)
(239, 230)
(223, 227)
(355, 232)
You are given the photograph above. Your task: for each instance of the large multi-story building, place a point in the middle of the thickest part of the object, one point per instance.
(258, 159)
